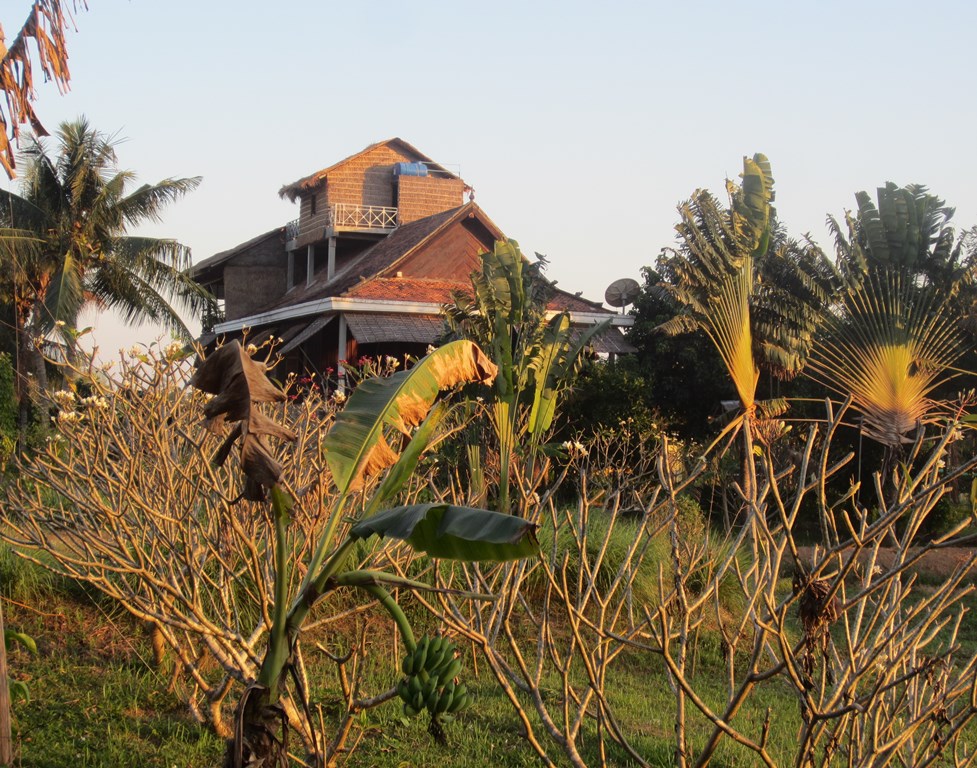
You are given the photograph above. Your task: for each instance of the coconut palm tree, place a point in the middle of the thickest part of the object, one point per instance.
(65, 244)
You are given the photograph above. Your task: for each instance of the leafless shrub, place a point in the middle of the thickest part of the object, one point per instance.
(870, 656)
(125, 498)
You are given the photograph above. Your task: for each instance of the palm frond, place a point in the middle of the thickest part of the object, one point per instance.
(136, 299)
(890, 347)
(729, 329)
(147, 202)
(76, 203)
(63, 297)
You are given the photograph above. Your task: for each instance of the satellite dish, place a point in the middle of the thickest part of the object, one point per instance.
(622, 292)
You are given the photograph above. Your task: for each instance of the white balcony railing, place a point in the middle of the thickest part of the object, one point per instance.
(347, 216)
(292, 229)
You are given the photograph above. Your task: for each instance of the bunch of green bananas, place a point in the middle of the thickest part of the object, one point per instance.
(429, 682)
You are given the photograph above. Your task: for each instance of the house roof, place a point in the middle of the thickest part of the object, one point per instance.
(434, 291)
(427, 290)
(219, 258)
(373, 278)
(363, 273)
(573, 302)
(611, 341)
(293, 190)
(373, 328)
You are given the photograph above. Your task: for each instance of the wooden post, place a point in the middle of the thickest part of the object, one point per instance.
(341, 355)
(6, 741)
(331, 259)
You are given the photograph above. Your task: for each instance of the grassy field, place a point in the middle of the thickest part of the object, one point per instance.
(98, 699)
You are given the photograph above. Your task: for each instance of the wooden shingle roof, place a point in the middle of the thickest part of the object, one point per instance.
(427, 290)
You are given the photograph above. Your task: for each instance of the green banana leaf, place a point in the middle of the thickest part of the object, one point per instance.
(559, 355)
(454, 533)
(356, 447)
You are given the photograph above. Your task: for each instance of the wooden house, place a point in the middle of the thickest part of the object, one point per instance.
(382, 240)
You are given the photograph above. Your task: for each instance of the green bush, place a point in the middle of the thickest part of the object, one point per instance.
(608, 395)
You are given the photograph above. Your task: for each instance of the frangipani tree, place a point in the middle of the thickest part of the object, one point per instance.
(358, 446)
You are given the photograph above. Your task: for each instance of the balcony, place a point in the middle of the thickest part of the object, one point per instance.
(376, 218)
(341, 217)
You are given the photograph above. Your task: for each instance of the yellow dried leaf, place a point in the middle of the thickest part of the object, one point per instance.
(380, 457)
(412, 408)
(467, 364)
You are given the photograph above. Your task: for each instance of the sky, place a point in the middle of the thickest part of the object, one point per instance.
(580, 125)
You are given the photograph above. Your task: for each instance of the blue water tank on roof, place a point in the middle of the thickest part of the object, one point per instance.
(410, 169)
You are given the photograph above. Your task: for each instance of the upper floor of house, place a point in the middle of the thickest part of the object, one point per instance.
(370, 193)
(386, 230)
(344, 211)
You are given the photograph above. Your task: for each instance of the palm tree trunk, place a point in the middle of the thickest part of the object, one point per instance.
(748, 465)
(31, 378)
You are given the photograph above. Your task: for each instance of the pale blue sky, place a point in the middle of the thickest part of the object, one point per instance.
(580, 125)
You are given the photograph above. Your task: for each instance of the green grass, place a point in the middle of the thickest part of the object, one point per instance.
(97, 699)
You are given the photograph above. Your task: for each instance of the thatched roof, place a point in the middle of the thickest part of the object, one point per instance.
(293, 190)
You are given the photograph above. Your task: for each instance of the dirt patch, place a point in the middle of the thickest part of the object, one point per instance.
(933, 565)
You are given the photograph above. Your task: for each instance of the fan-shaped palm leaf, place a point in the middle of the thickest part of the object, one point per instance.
(907, 230)
(889, 347)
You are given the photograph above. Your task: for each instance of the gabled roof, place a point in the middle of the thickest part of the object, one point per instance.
(219, 258)
(376, 278)
(573, 302)
(381, 260)
(291, 191)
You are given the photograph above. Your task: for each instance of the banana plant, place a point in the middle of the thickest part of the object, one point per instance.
(536, 357)
(359, 446)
